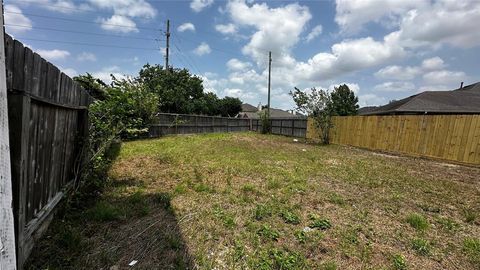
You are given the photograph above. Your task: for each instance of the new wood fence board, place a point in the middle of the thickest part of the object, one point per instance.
(447, 137)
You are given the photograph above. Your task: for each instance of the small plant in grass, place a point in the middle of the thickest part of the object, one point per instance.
(417, 221)
(421, 246)
(104, 211)
(164, 199)
(328, 266)
(448, 224)
(301, 236)
(399, 262)
(279, 259)
(201, 187)
(248, 188)
(290, 217)
(336, 199)
(227, 219)
(262, 211)
(471, 247)
(268, 232)
(273, 183)
(180, 189)
(469, 215)
(322, 224)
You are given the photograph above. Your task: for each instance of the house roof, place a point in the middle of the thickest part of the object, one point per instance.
(460, 101)
(249, 108)
(366, 109)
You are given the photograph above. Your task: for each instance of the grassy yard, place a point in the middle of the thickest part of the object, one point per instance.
(250, 201)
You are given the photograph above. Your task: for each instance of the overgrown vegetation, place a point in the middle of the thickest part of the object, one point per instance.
(321, 106)
(252, 201)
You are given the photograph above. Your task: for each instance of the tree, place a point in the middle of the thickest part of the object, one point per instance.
(94, 86)
(229, 106)
(181, 92)
(176, 88)
(344, 101)
(318, 105)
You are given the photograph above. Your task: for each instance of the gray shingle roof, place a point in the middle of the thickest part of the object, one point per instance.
(459, 101)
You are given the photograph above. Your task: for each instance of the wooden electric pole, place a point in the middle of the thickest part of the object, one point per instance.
(269, 78)
(167, 49)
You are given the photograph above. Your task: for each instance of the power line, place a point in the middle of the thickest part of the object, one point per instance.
(77, 32)
(90, 44)
(81, 21)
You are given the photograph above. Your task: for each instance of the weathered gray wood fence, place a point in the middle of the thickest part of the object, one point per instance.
(48, 122)
(293, 127)
(168, 123)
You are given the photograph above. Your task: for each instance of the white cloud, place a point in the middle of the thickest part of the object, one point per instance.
(316, 31)
(236, 65)
(62, 6)
(69, 71)
(199, 5)
(444, 77)
(86, 56)
(186, 27)
(410, 72)
(14, 15)
(371, 100)
(348, 56)
(395, 87)
(238, 93)
(128, 8)
(352, 86)
(119, 23)
(105, 74)
(226, 28)
(202, 49)
(351, 16)
(277, 29)
(398, 73)
(53, 55)
(433, 63)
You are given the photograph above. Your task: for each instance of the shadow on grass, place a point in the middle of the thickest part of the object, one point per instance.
(125, 224)
(112, 233)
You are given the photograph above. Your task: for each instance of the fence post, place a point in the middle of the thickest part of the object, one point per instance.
(7, 232)
(293, 128)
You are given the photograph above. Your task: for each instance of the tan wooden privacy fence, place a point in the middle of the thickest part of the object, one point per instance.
(47, 124)
(448, 137)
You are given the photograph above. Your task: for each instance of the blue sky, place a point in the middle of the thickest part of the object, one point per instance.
(383, 50)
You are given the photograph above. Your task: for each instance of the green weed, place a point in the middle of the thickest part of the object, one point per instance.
(471, 247)
(290, 217)
(421, 246)
(268, 232)
(262, 211)
(104, 211)
(417, 221)
(399, 262)
(322, 224)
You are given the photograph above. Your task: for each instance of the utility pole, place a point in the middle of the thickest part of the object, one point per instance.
(167, 34)
(269, 78)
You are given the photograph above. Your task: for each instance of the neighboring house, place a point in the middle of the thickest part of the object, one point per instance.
(252, 112)
(465, 100)
(366, 110)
